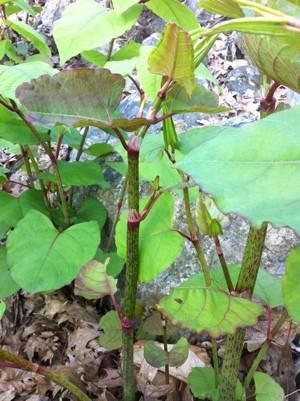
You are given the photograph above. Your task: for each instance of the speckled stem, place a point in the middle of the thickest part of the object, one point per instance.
(246, 282)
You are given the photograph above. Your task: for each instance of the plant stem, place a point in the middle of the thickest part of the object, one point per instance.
(223, 263)
(132, 265)
(246, 282)
(37, 173)
(52, 158)
(204, 266)
(57, 378)
(27, 166)
(110, 49)
(82, 142)
(264, 349)
(165, 338)
(117, 214)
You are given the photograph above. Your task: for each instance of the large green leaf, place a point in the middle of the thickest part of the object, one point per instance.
(174, 57)
(121, 6)
(30, 34)
(208, 309)
(78, 174)
(267, 287)
(156, 238)
(290, 284)
(83, 97)
(93, 282)
(254, 170)
(12, 77)
(13, 209)
(266, 388)
(86, 25)
(174, 11)
(8, 286)
(41, 258)
(13, 129)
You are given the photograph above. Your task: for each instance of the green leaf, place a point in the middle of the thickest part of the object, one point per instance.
(128, 51)
(2, 308)
(95, 57)
(83, 97)
(203, 73)
(41, 258)
(150, 83)
(12, 77)
(8, 286)
(202, 100)
(156, 238)
(228, 8)
(86, 25)
(202, 383)
(14, 209)
(290, 284)
(93, 281)
(3, 172)
(275, 57)
(179, 352)
(99, 149)
(208, 309)
(155, 355)
(14, 130)
(115, 264)
(92, 209)
(123, 67)
(112, 336)
(245, 171)
(30, 34)
(267, 288)
(174, 57)
(266, 388)
(121, 6)
(78, 174)
(174, 11)
(21, 4)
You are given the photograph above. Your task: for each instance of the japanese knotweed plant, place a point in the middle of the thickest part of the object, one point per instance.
(48, 241)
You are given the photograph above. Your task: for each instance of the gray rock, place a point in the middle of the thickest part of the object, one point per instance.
(241, 79)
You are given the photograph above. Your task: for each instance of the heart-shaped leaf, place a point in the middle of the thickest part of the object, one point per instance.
(86, 25)
(173, 57)
(92, 209)
(245, 171)
(83, 97)
(155, 355)
(179, 352)
(93, 281)
(112, 336)
(207, 309)
(41, 258)
(156, 238)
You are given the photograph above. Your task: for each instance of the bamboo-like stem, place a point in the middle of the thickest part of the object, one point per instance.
(132, 266)
(246, 282)
(264, 349)
(21, 363)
